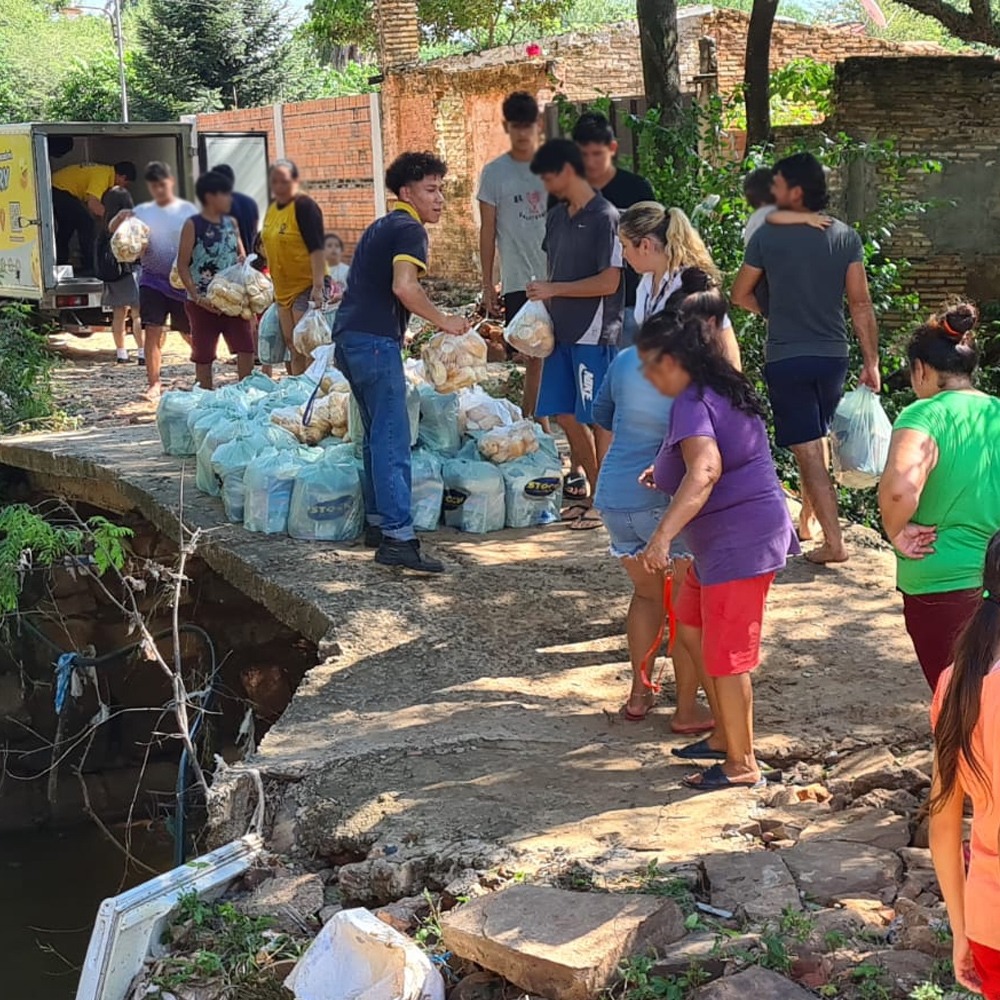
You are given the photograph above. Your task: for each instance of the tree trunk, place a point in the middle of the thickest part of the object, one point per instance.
(757, 75)
(660, 62)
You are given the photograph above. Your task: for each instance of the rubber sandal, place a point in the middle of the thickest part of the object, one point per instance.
(702, 727)
(698, 751)
(630, 716)
(573, 512)
(715, 780)
(575, 487)
(589, 520)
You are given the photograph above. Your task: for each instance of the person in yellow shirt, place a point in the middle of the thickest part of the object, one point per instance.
(77, 191)
(293, 237)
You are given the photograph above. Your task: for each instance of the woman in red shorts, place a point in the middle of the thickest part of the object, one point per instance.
(716, 464)
(210, 242)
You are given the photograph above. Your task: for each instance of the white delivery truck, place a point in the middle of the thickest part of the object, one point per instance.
(30, 153)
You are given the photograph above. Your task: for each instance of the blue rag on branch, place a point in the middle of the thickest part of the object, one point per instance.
(65, 666)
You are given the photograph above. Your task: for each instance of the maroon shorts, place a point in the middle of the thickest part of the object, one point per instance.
(935, 622)
(206, 328)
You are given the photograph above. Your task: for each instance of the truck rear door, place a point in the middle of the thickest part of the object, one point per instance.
(246, 153)
(21, 265)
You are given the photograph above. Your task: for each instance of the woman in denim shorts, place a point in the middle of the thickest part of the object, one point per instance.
(639, 417)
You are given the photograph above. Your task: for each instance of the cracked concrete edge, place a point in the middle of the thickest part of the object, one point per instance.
(80, 478)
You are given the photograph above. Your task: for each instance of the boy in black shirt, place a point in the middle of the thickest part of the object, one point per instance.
(596, 138)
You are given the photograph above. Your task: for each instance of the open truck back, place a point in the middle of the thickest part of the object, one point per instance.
(30, 153)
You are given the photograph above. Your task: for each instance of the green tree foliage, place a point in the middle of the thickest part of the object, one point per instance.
(91, 92)
(202, 55)
(905, 24)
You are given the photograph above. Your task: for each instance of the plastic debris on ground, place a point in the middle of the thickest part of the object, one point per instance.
(452, 363)
(357, 955)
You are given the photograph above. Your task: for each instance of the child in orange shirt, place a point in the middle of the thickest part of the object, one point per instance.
(966, 720)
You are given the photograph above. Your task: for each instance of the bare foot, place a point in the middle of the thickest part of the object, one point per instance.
(698, 720)
(153, 393)
(826, 553)
(808, 528)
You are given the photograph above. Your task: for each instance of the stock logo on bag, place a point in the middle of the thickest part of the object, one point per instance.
(453, 499)
(541, 489)
(330, 510)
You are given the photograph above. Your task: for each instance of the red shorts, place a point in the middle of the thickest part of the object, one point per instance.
(988, 967)
(730, 616)
(206, 327)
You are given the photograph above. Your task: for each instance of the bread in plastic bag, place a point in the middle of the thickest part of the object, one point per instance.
(175, 277)
(331, 409)
(474, 498)
(438, 429)
(533, 490)
(479, 411)
(504, 444)
(859, 439)
(240, 290)
(530, 332)
(172, 421)
(427, 490)
(452, 363)
(267, 487)
(326, 504)
(311, 331)
(129, 240)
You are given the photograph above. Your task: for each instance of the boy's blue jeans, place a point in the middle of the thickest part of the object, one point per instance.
(374, 367)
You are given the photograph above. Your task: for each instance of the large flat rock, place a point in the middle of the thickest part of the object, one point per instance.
(874, 827)
(827, 871)
(558, 944)
(753, 984)
(759, 884)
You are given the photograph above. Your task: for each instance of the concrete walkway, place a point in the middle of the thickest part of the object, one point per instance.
(479, 708)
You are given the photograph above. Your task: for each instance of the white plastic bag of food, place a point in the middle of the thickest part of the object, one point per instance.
(327, 505)
(452, 363)
(859, 439)
(240, 290)
(438, 429)
(229, 463)
(479, 411)
(267, 487)
(218, 433)
(504, 444)
(172, 421)
(311, 331)
(530, 332)
(175, 277)
(533, 488)
(473, 496)
(259, 287)
(427, 490)
(358, 957)
(129, 240)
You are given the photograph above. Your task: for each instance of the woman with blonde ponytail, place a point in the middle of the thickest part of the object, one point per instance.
(659, 244)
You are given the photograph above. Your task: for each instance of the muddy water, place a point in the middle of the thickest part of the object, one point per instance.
(51, 884)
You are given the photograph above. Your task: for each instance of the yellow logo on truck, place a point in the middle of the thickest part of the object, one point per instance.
(20, 266)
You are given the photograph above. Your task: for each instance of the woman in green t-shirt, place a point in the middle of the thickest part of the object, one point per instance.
(940, 492)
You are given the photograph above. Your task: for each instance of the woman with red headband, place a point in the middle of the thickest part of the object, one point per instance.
(940, 492)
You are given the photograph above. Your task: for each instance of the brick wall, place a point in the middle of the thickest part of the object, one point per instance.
(330, 141)
(946, 109)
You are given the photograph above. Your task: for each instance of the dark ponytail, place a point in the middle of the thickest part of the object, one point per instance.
(691, 342)
(977, 652)
(945, 342)
(698, 295)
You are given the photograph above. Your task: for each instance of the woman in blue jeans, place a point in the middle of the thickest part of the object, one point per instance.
(638, 417)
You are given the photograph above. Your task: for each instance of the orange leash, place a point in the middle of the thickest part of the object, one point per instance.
(668, 619)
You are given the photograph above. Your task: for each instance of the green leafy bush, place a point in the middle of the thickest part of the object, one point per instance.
(26, 367)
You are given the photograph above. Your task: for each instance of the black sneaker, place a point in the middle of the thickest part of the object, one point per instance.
(122, 361)
(373, 536)
(141, 361)
(407, 555)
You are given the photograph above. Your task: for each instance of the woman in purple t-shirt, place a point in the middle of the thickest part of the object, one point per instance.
(716, 464)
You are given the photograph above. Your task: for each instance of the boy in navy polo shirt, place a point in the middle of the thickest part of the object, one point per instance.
(586, 299)
(383, 289)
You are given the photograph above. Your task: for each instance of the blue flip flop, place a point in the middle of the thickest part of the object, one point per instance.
(698, 751)
(715, 780)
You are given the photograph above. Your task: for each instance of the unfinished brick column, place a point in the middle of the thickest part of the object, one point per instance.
(398, 33)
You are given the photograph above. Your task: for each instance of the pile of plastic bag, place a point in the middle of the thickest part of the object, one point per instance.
(285, 457)
(241, 290)
(452, 363)
(129, 240)
(530, 332)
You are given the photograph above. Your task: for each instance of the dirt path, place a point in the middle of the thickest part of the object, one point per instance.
(479, 709)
